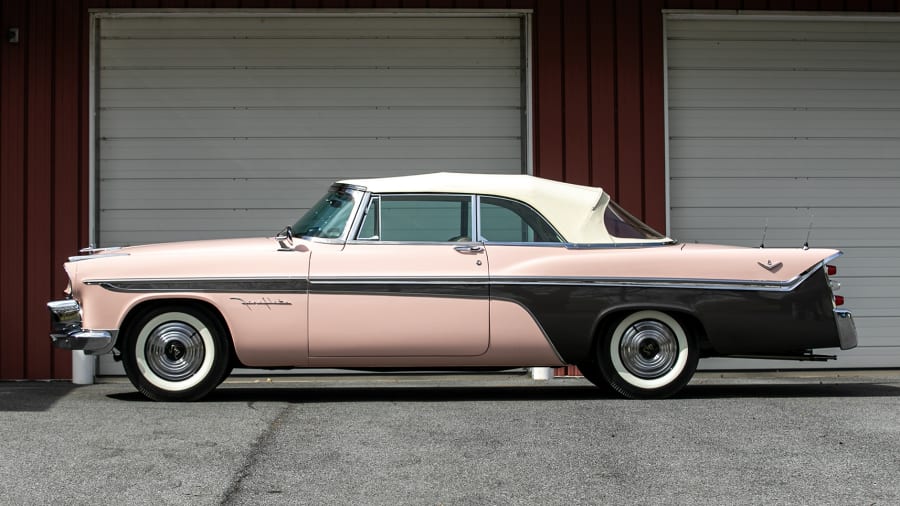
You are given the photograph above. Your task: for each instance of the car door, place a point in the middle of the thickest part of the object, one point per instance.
(411, 282)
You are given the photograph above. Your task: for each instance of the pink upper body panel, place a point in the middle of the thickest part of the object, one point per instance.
(699, 262)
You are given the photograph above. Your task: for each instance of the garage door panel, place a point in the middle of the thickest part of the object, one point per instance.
(813, 55)
(780, 122)
(778, 167)
(786, 80)
(228, 149)
(882, 331)
(683, 145)
(842, 218)
(772, 122)
(734, 99)
(871, 300)
(456, 122)
(363, 78)
(786, 31)
(208, 193)
(317, 99)
(243, 116)
(319, 26)
(370, 54)
(784, 192)
(337, 168)
(127, 226)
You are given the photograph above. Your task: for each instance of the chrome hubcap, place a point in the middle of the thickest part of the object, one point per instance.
(174, 351)
(648, 349)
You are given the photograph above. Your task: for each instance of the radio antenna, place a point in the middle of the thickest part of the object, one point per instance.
(809, 232)
(766, 229)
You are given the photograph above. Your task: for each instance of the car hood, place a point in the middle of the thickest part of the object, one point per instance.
(250, 257)
(212, 246)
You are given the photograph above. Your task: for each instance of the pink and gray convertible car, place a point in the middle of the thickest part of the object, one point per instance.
(449, 272)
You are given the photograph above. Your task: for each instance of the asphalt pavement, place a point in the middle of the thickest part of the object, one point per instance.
(731, 438)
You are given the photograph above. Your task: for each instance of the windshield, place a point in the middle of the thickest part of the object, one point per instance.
(328, 218)
(625, 226)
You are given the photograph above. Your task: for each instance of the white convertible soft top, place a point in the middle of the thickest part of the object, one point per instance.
(575, 211)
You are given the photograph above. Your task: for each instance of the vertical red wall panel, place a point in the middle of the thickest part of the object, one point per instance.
(703, 4)
(752, 5)
(601, 17)
(70, 134)
(628, 115)
(831, 5)
(729, 4)
(38, 220)
(253, 4)
(146, 4)
(576, 99)
(548, 107)
(883, 5)
(12, 190)
(781, 5)
(653, 104)
(806, 5)
(521, 4)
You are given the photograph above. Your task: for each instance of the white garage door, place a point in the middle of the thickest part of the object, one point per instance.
(781, 120)
(232, 126)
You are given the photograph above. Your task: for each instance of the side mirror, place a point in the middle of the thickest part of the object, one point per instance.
(285, 239)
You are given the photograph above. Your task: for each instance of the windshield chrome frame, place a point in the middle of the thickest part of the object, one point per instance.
(360, 195)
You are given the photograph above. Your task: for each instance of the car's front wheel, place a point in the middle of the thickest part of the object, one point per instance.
(647, 354)
(175, 353)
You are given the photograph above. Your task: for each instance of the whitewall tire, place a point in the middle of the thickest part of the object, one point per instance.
(647, 354)
(176, 353)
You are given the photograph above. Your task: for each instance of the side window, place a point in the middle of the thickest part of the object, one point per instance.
(504, 220)
(418, 218)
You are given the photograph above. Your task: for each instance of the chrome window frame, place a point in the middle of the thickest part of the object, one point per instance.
(353, 236)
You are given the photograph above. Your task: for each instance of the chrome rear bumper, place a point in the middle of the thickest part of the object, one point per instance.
(67, 334)
(846, 328)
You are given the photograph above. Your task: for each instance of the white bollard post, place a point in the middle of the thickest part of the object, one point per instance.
(83, 368)
(541, 373)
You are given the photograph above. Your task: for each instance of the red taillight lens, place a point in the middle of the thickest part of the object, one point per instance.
(831, 270)
(838, 300)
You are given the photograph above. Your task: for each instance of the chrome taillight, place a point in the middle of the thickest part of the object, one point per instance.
(830, 270)
(838, 300)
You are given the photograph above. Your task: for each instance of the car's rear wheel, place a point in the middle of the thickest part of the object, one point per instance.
(647, 354)
(176, 353)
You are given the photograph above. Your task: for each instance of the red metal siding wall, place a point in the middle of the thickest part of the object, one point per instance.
(598, 119)
(43, 190)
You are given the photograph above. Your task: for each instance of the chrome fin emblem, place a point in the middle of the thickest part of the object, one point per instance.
(770, 265)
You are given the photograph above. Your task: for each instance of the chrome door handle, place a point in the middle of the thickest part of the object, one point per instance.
(469, 248)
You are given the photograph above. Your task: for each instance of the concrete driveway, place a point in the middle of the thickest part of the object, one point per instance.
(810, 438)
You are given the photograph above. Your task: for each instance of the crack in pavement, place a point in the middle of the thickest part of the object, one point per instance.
(256, 450)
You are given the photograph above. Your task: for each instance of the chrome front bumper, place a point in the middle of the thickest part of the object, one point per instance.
(67, 334)
(846, 328)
